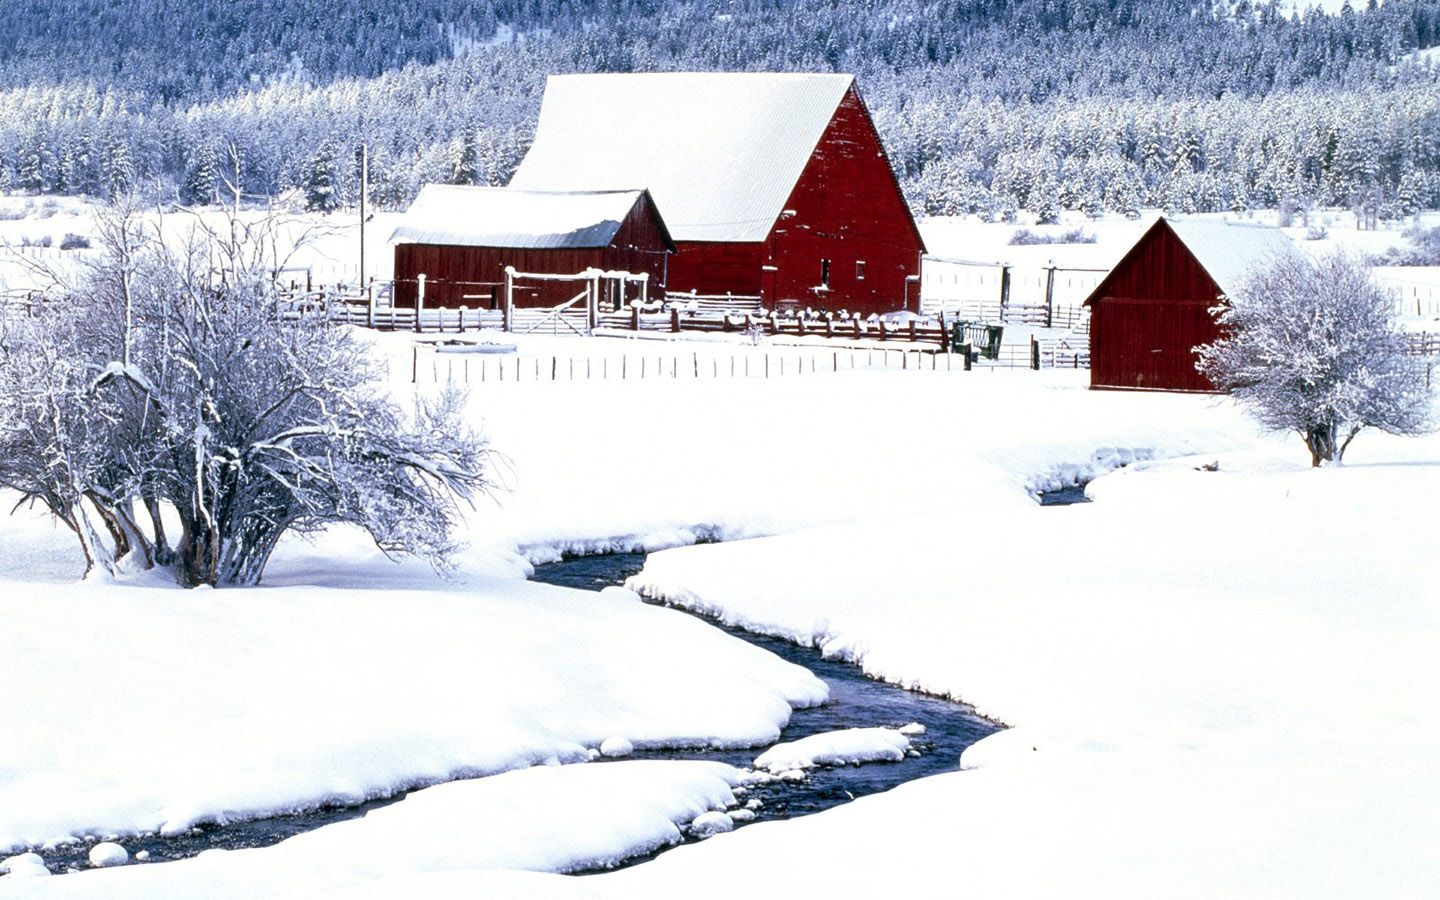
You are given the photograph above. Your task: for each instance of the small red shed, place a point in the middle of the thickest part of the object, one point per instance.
(1154, 308)
(774, 185)
(462, 238)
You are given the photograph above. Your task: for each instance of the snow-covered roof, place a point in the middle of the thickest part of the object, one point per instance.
(462, 215)
(1228, 251)
(720, 152)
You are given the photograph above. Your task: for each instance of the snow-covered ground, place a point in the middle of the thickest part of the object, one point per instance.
(1219, 675)
(1220, 682)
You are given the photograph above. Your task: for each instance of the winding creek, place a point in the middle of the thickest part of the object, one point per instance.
(855, 702)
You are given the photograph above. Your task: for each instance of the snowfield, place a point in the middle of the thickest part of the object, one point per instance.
(543, 819)
(167, 708)
(1218, 672)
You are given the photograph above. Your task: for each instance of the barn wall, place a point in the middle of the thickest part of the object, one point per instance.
(452, 272)
(848, 207)
(640, 246)
(1148, 316)
(717, 268)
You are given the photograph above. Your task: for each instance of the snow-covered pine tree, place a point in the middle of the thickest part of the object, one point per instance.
(202, 177)
(1312, 347)
(321, 179)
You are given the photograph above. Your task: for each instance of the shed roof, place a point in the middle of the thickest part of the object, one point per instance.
(1227, 251)
(720, 152)
(463, 215)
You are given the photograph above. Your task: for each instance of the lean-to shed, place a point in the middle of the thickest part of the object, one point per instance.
(773, 185)
(1154, 308)
(462, 238)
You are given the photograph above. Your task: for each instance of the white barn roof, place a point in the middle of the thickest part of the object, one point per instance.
(461, 215)
(1228, 251)
(720, 152)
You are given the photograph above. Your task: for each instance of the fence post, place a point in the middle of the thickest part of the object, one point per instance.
(415, 365)
(1050, 294)
(965, 350)
(419, 298)
(1034, 353)
(370, 312)
(675, 319)
(1004, 291)
(508, 318)
(461, 326)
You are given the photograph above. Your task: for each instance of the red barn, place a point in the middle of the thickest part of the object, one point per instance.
(462, 238)
(773, 185)
(1153, 309)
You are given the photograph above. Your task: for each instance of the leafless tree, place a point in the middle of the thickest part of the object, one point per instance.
(174, 377)
(1312, 347)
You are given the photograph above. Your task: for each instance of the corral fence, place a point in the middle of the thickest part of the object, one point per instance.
(1048, 296)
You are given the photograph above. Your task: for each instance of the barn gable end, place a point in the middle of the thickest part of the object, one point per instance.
(772, 184)
(850, 222)
(1155, 307)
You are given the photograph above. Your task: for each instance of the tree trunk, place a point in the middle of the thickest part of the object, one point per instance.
(199, 556)
(164, 556)
(1322, 443)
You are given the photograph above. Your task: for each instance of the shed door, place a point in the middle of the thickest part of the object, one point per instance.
(1150, 344)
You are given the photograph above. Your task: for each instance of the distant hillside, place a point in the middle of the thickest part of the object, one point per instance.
(986, 105)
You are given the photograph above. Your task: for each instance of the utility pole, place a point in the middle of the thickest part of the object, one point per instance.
(364, 190)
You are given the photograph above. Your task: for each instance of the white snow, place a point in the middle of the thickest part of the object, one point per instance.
(167, 708)
(108, 853)
(1219, 680)
(24, 865)
(542, 819)
(710, 824)
(616, 747)
(720, 152)
(467, 215)
(850, 746)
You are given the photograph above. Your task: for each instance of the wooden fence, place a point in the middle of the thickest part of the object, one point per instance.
(427, 367)
(1424, 343)
(677, 320)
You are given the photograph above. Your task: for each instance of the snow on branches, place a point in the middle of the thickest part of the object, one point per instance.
(172, 381)
(1311, 347)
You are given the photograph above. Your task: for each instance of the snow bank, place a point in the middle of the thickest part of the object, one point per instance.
(544, 819)
(803, 450)
(160, 708)
(836, 748)
(1221, 680)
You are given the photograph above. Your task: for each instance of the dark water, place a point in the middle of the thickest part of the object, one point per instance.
(1075, 493)
(855, 702)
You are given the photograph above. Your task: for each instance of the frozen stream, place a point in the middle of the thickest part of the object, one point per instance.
(855, 702)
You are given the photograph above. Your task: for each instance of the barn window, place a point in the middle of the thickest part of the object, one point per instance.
(825, 272)
(859, 270)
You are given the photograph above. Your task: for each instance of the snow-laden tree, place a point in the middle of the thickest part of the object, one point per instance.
(173, 380)
(1312, 347)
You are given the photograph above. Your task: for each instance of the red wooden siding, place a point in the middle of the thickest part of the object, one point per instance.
(847, 208)
(452, 272)
(708, 267)
(1149, 314)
